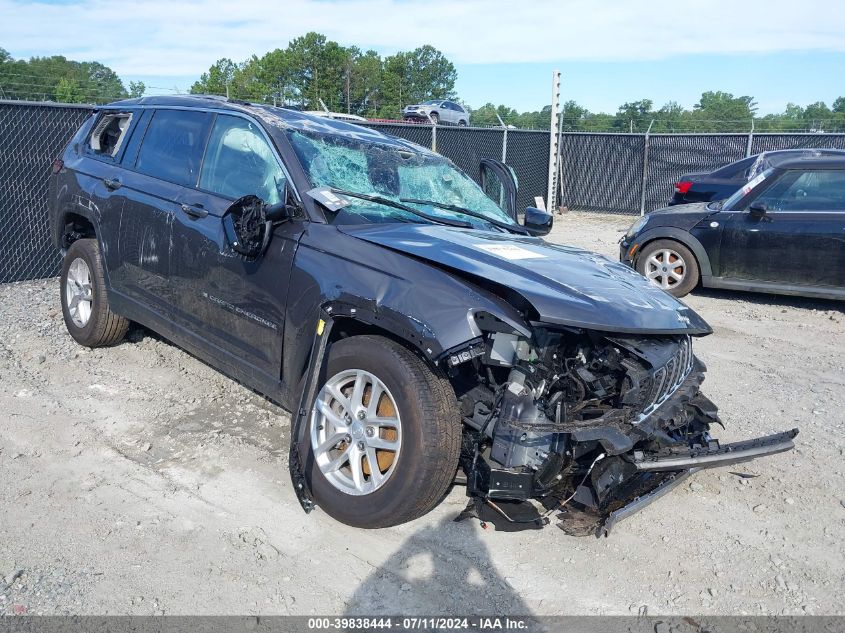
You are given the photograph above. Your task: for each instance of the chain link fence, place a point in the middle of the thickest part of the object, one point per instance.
(632, 173)
(31, 137)
(607, 172)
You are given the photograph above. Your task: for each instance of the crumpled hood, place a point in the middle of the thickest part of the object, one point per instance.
(565, 285)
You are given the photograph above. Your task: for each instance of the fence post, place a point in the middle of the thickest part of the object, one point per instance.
(645, 168)
(504, 139)
(433, 132)
(552, 182)
(750, 140)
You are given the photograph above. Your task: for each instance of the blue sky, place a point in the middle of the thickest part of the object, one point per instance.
(609, 52)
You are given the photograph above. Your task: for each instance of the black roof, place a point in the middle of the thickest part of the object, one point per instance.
(808, 161)
(275, 117)
(187, 101)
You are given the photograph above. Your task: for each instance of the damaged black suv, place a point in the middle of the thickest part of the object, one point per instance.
(412, 326)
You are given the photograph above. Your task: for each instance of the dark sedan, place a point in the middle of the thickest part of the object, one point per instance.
(723, 182)
(782, 232)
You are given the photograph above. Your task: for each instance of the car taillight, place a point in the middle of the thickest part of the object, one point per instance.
(683, 186)
(58, 164)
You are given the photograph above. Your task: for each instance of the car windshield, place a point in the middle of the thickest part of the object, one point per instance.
(431, 102)
(731, 203)
(416, 179)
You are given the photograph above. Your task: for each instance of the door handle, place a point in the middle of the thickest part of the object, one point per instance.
(112, 183)
(195, 211)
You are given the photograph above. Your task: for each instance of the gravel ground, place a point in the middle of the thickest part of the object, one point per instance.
(137, 480)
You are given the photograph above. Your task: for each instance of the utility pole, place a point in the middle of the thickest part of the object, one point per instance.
(348, 105)
(504, 139)
(553, 142)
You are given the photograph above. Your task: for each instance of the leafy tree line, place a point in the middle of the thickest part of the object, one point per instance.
(714, 112)
(57, 78)
(313, 68)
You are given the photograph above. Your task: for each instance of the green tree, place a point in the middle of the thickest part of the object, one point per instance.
(137, 89)
(56, 77)
(724, 112)
(634, 116)
(217, 80)
(68, 91)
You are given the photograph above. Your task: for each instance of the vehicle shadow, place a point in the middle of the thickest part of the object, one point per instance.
(443, 569)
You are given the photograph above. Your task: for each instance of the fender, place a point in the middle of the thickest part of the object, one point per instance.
(408, 299)
(75, 205)
(679, 235)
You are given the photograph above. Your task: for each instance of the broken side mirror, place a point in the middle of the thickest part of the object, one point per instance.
(279, 212)
(537, 221)
(247, 226)
(757, 209)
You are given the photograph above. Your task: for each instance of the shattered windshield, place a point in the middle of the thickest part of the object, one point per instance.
(394, 172)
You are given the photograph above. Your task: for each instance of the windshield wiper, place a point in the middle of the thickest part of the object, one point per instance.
(402, 207)
(456, 209)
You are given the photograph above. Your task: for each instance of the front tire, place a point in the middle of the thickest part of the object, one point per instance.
(669, 265)
(85, 304)
(435, 118)
(384, 434)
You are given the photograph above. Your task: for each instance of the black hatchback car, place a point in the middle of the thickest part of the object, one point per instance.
(411, 325)
(782, 232)
(722, 183)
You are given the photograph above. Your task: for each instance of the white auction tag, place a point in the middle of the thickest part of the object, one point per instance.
(509, 251)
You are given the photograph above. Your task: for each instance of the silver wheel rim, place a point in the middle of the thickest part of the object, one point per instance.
(78, 294)
(665, 268)
(356, 432)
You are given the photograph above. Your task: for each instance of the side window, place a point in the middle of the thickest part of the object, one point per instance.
(818, 190)
(239, 161)
(109, 134)
(173, 145)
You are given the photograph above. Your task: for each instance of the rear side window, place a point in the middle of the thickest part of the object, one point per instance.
(734, 170)
(109, 134)
(173, 146)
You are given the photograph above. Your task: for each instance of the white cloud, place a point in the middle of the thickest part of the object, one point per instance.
(181, 37)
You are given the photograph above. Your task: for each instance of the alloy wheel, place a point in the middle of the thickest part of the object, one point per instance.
(78, 292)
(356, 432)
(665, 268)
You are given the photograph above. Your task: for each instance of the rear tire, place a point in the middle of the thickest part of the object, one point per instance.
(669, 265)
(417, 471)
(85, 303)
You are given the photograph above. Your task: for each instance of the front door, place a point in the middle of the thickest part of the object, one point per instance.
(498, 181)
(800, 240)
(235, 303)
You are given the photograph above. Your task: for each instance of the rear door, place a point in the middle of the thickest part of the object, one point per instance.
(154, 183)
(801, 238)
(236, 304)
(100, 173)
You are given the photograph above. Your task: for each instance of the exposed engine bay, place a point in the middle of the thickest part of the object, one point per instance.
(590, 425)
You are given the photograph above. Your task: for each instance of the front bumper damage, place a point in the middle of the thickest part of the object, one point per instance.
(637, 464)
